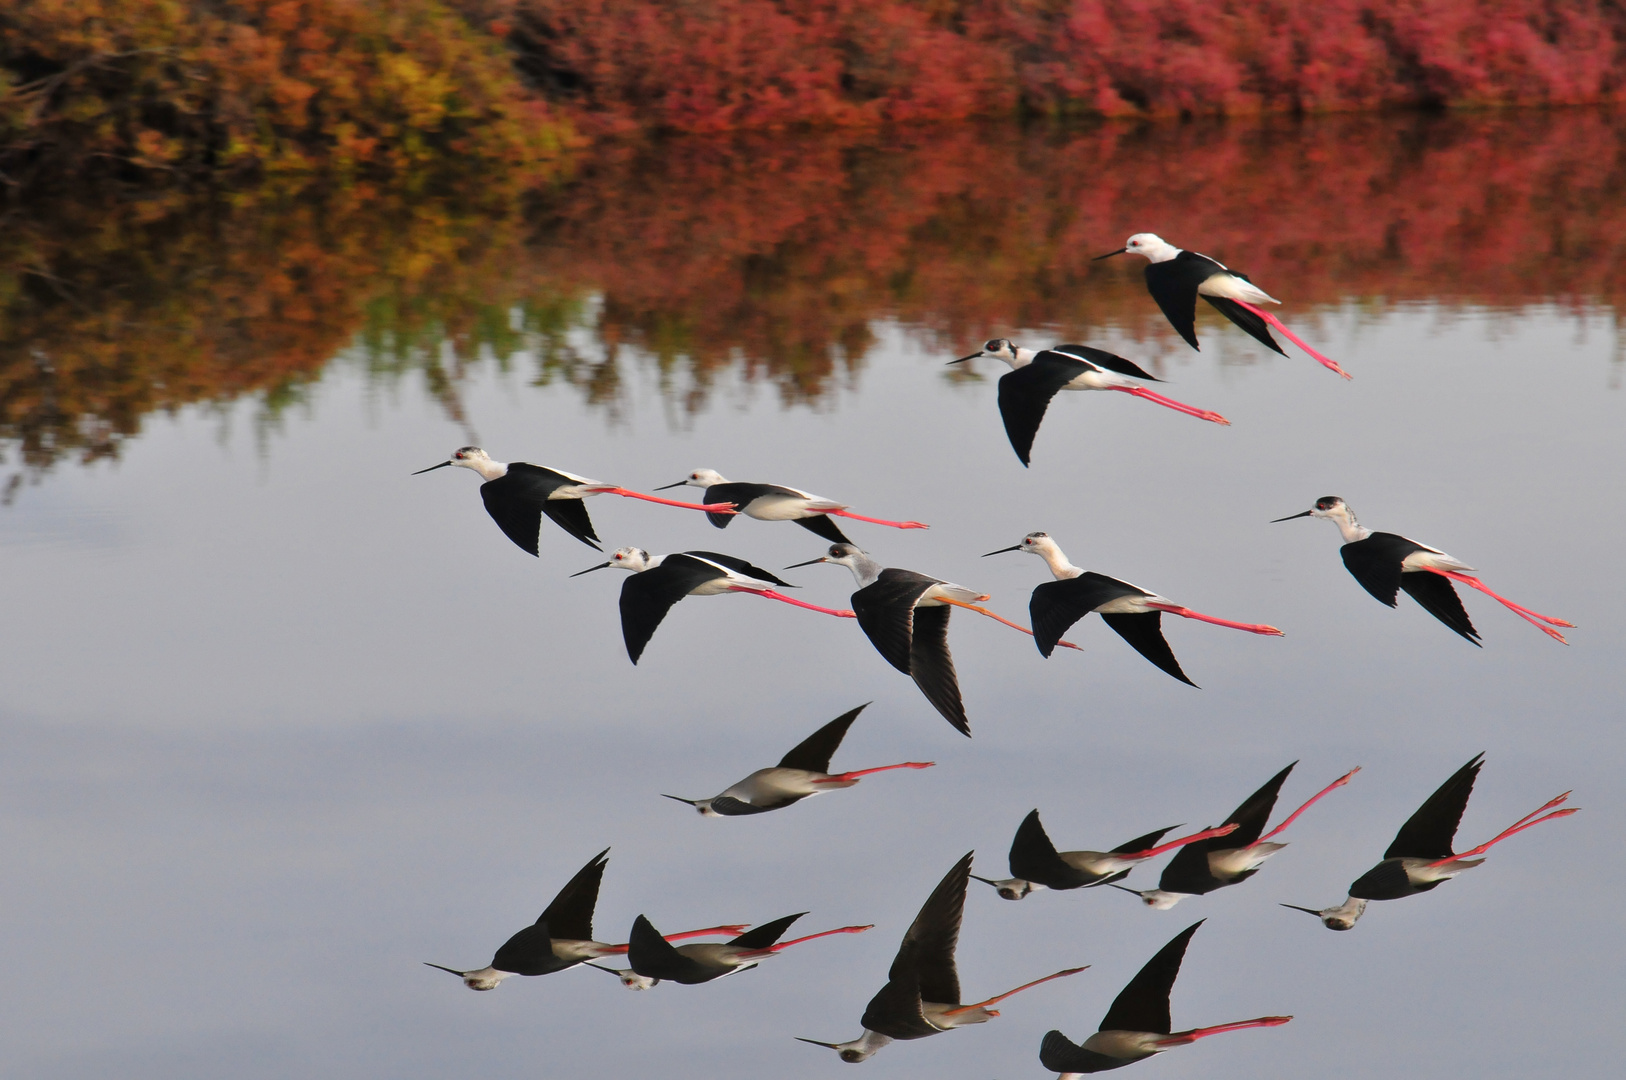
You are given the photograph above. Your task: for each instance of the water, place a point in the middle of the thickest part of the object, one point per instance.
(282, 721)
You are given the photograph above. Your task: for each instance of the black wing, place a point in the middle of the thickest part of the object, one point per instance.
(1376, 563)
(926, 956)
(653, 957)
(886, 612)
(1437, 597)
(1057, 605)
(814, 752)
(1256, 327)
(570, 915)
(529, 952)
(739, 566)
(727, 493)
(895, 1011)
(647, 596)
(517, 501)
(1060, 1054)
(1251, 816)
(1024, 395)
(1142, 843)
(1173, 285)
(932, 667)
(1103, 359)
(1144, 1003)
(769, 933)
(1386, 881)
(1034, 858)
(1428, 833)
(1144, 632)
(822, 525)
(728, 806)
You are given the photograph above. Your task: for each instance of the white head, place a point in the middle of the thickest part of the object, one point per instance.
(1334, 509)
(1151, 245)
(1341, 917)
(1009, 888)
(700, 478)
(625, 558)
(1000, 349)
(1158, 900)
(1034, 543)
(486, 978)
(701, 805)
(629, 978)
(854, 558)
(472, 457)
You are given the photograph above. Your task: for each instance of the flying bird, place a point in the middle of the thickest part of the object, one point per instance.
(1133, 613)
(1207, 865)
(517, 494)
(654, 959)
(922, 993)
(802, 772)
(1036, 864)
(1175, 278)
(1036, 377)
(1138, 1025)
(1420, 857)
(1385, 563)
(772, 502)
(660, 581)
(562, 935)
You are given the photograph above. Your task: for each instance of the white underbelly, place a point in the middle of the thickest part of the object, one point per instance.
(1228, 286)
(1433, 560)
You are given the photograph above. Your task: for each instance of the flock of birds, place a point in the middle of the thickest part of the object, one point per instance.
(905, 616)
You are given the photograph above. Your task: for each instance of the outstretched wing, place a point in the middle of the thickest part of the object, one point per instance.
(814, 752)
(529, 952)
(1024, 395)
(647, 596)
(1103, 359)
(653, 957)
(1439, 598)
(1429, 832)
(517, 501)
(766, 935)
(1256, 327)
(1057, 605)
(926, 955)
(886, 612)
(739, 566)
(823, 525)
(726, 493)
(1376, 563)
(932, 666)
(570, 915)
(1060, 1054)
(1250, 817)
(1034, 858)
(1386, 881)
(1143, 1005)
(1144, 632)
(1142, 843)
(1173, 285)
(896, 1012)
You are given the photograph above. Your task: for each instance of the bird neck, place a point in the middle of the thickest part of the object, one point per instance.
(1163, 251)
(1056, 559)
(1351, 529)
(1022, 359)
(865, 570)
(488, 469)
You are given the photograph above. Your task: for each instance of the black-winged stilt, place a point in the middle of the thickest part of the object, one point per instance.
(1384, 563)
(517, 494)
(802, 772)
(922, 993)
(1420, 857)
(659, 581)
(1138, 1024)
(1175, 278)
(1025, 393)
(1036, 864)
(906, 616)
(1215, 863)
(772, 502)
(561, 937)
(1135, 614)
(654, 959)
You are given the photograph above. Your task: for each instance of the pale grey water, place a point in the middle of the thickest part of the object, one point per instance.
(281, 721)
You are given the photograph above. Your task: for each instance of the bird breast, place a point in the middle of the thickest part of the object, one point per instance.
(934, 596)
(768, 785)
(1230, 862)
(1096, 862)
(1227, 286)
(788, 507)
(937, 1015)
(575, 951)
(715, 954)
(1430, 559)
(1124, 1045)
(1100, 380)
(1423, 872)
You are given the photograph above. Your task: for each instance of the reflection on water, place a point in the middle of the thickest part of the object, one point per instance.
(776, 256)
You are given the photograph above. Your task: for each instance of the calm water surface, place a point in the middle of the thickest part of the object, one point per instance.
(281, 721)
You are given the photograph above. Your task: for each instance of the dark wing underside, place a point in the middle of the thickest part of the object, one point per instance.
(1429, 832)
(728, 806)
(529, 952)
(1060, 1054)
(1024, 395)
(1034, 858)
(814, 752)
(1436, 595)
(1144, 632)
(729, 493)
(1142, 843)
(1144, 1003)
(647, 596)
(1103, 359)
(653, 957)
(823, 525)
(570, 914)
(769, 933)
(739, 566)
(1256, 327)
(886, 612)
(895, 1011)
(517, 501)
(1386, 881)
(927, 952)
(1173, 285)
(932, 666)
(1056, 605)
(1376, 563)
(1251, 816)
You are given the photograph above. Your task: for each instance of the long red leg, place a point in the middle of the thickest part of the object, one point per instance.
(1187, 613)
(839, 777)
(1025, 986)
(734, 930)
(1180, 1038)
(844, 613)
(1535, 618)
(1223, 830)
(1001, 618)
(877, 521)
(1338, 783)
(1326, 362)
(710, 508)
(1517, 827)
(770, 950)
(1170, 403)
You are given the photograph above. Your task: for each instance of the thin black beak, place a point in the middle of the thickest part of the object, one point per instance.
(963, 359)
(1307, 911)
(595, 967)
(1109, 254)
(1290, 517)
(663, 487)
(985, 881)
(1001, 551)
(677, 798)
(420, 472)
(590, 569)
(1125, 888)
(815, 1042)
(809, 562)
(438, 967)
